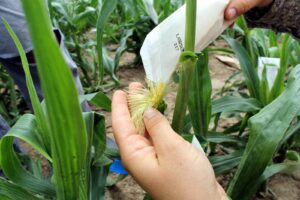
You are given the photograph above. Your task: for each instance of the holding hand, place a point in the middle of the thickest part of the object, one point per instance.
(239, 7)
(163, 163)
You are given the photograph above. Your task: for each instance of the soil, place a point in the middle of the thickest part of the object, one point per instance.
(279, 187)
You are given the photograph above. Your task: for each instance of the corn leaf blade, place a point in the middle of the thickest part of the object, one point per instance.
(247, 67)
(12, 191)
(200, 97)
(68, 133)
(25, 129)
(235, 103)
(40, 117)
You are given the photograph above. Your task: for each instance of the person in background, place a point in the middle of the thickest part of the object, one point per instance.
(164, 164)
(278, 15)
(11, 11)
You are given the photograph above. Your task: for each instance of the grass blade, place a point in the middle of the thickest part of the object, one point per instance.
(37, 108)
(284, 61)
(68, 133)
(234, 103)
(247, 67)
(200, 97)
(225, 163)
(12, 191)
(106, 10)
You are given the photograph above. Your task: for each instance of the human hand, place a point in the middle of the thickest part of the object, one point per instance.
(164, 164)
(239, 7)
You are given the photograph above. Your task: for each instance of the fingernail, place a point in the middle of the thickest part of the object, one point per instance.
(232, 12)
(149, 113)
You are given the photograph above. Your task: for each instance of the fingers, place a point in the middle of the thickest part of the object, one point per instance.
(121, 122)
(135, 86)
(160, 131)
(239, 7)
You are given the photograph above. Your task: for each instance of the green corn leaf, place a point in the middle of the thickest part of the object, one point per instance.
(247, 66)
(99, 175)
(99, 138)
(68, 133)
(294, 129)
(200, 97)
(287, 167)
(26, 129)
(268, 127)
(264, 88)
(284, 61)
(95, 125)
(11, 164)
(219, 138)
(122, 48)
(40, 117)
(110, 64)
(225, 163)
(11, 191)
(272, 39)
(106, 10)
(260, 42)
(98, 99)
(235, 103)
(99, 171)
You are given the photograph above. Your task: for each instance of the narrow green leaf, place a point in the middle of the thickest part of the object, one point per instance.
(14, 192)
(219, 138)
(98, 99)
(225, 163)
(14, 170)
(295, 128)
(99, 175)
(106, 10)
(235, 103)
(40, 117)
(284, 61)
(99, 139)
(200, 97)
(286, 167)
(264, 88)
(247, 66)
(26, 129)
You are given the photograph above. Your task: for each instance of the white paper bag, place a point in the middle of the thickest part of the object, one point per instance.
(163, 46)
(272, 66)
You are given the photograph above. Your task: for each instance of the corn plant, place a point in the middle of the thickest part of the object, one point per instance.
(73, 143)
(10, 98)
(78, 20)
(265, 123)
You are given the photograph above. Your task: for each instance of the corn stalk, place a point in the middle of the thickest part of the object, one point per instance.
(188, 60)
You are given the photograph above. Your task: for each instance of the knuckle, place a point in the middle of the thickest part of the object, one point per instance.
(155, 122)
(245, 5)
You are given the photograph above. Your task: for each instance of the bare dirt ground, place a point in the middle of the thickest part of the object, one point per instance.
(279, 187)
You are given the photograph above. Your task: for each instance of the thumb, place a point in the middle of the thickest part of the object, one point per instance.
(160, 131)
(238, 7)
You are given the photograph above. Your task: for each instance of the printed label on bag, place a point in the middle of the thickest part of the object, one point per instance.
(164, 44)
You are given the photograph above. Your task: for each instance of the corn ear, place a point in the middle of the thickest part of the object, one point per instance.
(139, 100)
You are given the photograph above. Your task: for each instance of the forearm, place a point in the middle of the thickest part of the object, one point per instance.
(281, 16)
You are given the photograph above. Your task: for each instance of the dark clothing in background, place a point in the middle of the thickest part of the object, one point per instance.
(280, 16)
